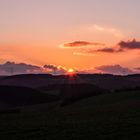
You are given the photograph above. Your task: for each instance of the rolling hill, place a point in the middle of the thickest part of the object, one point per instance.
(105, 81)
(107, 116)
(95, 107)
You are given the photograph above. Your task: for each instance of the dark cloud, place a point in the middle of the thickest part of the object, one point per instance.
(20, 68)
(122, 46)
(51, 67)
(110, 50)
(81, 44)
(129, 44)
(114, 69)
(104, 50)
(57, 70)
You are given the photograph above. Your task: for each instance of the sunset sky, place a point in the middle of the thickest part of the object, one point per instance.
(79, 34)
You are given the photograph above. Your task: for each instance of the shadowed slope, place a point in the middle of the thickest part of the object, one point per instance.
(21, 96)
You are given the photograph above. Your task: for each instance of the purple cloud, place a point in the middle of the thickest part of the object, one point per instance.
(114, 69)
(20, 68)
(122, 46)
(110, 50)
(129, 44)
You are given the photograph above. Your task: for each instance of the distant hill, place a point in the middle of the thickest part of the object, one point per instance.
(29, 89)
(105, 81)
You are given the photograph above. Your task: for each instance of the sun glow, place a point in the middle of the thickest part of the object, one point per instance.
(71, 72)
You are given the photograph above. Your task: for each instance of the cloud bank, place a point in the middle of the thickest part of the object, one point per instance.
(114, 69)
(10, 68)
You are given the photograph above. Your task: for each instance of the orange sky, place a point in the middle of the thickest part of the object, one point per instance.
(35, 32)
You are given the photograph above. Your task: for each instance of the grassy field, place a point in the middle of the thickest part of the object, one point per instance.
(113, 116)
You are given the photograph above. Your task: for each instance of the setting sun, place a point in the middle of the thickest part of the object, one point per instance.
(71, 71)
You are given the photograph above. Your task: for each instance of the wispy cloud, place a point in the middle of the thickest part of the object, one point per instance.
(79, 44)
(110, 50)
(94, 52)
(98, 28)
(115, 32)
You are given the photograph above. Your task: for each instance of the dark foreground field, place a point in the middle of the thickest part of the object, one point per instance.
(104, 117)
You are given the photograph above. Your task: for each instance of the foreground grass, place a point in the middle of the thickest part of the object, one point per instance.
(104, 117)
